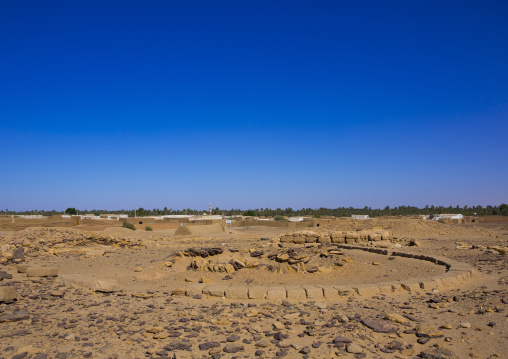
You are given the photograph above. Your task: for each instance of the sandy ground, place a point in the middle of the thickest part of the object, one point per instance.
(64, 321)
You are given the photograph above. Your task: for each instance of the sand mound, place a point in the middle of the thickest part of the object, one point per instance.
(199, 229)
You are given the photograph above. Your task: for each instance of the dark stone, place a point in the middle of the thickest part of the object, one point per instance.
(258, 353)
(278, 336)
(437, 353)
(41, 356)
(15, 317)
(305, 350)
(381, 325)
(20, 355)
(233, 338)
(204, 252)
(316, 345)
(178, 346)
(395, 345)
(233, 348)
(5, 275)
(423, 340)
(208, 346)
(61, 356)
(19, 253)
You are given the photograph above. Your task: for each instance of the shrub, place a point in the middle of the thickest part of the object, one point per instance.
(249, 213)
(279, 218)
(148, 228)
(128, 225)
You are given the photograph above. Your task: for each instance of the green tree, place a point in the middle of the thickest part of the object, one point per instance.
(503, 209)
(71, 211)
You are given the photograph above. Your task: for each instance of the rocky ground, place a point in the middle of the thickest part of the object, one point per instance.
(142, 317)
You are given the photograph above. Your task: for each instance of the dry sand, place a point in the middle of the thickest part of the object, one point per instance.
(143, 317)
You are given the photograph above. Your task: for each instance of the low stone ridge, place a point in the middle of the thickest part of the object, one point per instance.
(204, 252)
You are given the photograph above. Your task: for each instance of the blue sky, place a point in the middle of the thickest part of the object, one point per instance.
(111, 104)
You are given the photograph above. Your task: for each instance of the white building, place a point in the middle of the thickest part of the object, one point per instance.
(360, 216)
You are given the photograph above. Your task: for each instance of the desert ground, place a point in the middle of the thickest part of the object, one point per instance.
(380, 288)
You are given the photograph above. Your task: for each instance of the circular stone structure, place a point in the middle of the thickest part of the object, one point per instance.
(449, 273)
(299, 266)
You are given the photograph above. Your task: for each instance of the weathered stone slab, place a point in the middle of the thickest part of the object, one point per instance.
(311, 239)
(195, 289)
(96, 284)
(286, 239)
(8, 294)
(346, 290)
(313, 292)
(276, 293)
(330, 292)
(449, 281)
(215, 290)
(258, 292)
(296, 292)
(385, 288)
(381, 325)
(428, 284)
(42, 271)
(367, 290)
(411, 286)
(238, 292)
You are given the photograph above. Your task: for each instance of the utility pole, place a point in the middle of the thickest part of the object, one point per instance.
(134, 211)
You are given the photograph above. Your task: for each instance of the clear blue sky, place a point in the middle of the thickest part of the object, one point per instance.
(253, 104)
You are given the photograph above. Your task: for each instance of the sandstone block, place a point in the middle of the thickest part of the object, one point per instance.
(239, 292)
(346, 290)
(106, 286)
(22, 268)
(337, 239)
(330, 292)
(8, 294)
(428, 284)
(313, 292)
(323, 239)
(311, 239)
(298, 239)
(385, 288)
(214, 290)
(367, 290)
(286, 239)
(276, 293)
(296, 292)
(195, 289)
(449, 281)
(411, 286)
(258, 292)
(42, 271)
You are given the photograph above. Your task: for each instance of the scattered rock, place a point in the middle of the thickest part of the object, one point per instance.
(381, 325)
(15, 317)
